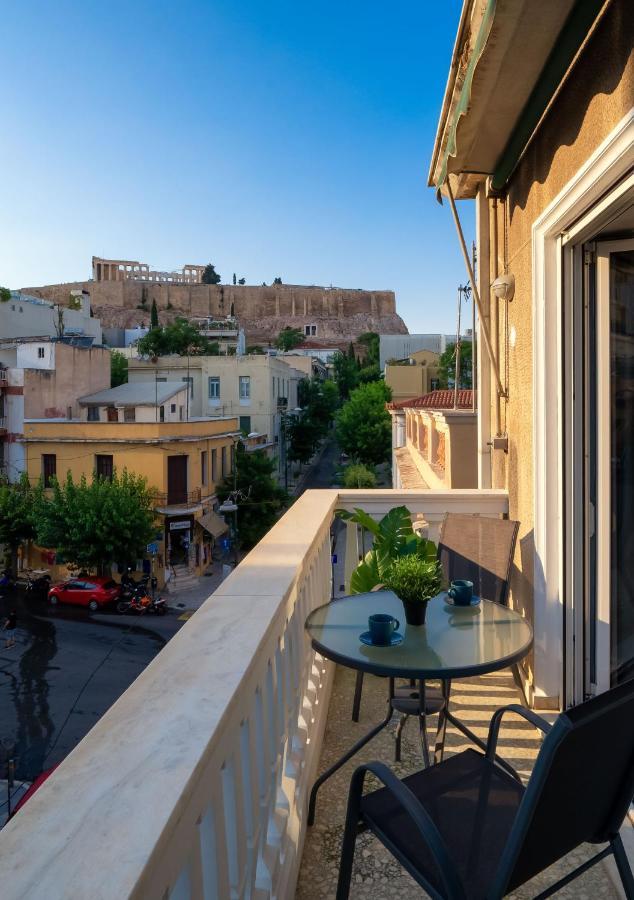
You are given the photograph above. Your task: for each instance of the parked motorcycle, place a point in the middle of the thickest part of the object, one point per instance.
(140, 602)
(37, 585)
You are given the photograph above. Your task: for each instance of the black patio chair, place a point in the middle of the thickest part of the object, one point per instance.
(465, 829)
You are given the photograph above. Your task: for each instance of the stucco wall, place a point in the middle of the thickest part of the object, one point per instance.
(49, 393)
(598, 94)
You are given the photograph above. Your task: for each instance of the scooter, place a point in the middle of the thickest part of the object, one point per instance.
(140, 602)
(37, 586)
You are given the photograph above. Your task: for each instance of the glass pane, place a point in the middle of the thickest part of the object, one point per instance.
(622, 465)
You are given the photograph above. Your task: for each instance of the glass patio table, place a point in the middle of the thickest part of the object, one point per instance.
(455, 642)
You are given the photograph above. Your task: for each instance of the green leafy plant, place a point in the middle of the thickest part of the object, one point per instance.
(413, 578)
(118, 368)
(359, 476)
(394, 537)
(5, 295)
(17, 515)
(364, 427)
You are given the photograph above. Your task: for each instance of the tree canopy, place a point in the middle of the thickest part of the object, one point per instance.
(118, 368)
(288, 338)
(179, 337)
(154, 318)
(364, 428)
(17, 513)
(346, 374)
(92, 524)
(261, 499)
(447, 366)
(210, 276)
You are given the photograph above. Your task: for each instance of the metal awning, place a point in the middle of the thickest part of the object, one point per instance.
(213, 524)
(495, 87)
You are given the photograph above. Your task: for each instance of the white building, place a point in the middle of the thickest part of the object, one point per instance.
(137, 402)
(400, 346)
(24, 316)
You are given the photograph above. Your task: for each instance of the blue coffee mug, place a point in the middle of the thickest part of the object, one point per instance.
(461, 592)
(382, 626)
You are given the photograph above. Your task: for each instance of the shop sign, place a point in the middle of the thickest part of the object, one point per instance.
(179, 526)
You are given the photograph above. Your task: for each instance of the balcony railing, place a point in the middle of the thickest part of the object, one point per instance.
(194, 783)
(177, 498)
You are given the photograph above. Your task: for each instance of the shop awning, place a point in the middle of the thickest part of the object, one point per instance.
(213, 524)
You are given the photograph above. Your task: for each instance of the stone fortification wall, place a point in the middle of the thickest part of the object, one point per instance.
(340, 314)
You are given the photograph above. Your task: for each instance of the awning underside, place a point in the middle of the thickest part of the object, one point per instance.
(213, 524)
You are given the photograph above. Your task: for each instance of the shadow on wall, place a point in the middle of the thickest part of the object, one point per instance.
(606, 61)
(522, 585)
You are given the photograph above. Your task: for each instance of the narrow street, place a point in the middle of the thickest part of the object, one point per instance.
(67, 668)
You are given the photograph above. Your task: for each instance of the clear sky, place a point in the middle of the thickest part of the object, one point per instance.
(270, 138)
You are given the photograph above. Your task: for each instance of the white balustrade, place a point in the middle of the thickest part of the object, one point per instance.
(194, 784)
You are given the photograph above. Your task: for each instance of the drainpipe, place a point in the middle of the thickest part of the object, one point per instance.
(495, 308)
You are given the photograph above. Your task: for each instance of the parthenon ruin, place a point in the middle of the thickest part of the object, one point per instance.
(132, 270)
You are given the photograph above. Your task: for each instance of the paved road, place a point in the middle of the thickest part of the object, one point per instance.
(67, 668)
(322, 473)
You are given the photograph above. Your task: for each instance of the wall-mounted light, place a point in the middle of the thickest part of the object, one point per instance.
(504, 287)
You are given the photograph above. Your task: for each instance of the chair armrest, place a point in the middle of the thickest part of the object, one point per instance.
(496, 721)
(420, 819)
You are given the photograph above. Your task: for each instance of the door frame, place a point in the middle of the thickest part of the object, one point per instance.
(553, 243)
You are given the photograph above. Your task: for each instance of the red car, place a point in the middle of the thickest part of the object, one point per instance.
(91, 591)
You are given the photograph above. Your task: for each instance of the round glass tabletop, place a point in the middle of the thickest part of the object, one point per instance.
(455, 642)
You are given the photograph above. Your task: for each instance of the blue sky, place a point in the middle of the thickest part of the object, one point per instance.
(270, 138)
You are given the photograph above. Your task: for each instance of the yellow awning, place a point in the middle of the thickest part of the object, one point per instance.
(213, 524)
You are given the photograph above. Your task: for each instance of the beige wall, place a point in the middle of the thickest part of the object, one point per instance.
(49, 393)
(407, 382)
(442, 446)
(598, 94)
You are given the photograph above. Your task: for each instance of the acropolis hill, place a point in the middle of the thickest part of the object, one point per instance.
(339, 314)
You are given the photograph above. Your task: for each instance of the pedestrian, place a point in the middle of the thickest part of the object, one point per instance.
(9, 626)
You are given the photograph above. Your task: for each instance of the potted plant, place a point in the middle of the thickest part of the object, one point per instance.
(415, 581)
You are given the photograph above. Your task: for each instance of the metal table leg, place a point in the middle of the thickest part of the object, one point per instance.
(348, 755)
(439, 748)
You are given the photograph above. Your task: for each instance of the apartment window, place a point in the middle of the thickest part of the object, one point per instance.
(181, 410)
(93, 413)
(162, 414)
(49, 468)
(203, 467)
(112, 413)
(161, 379)
(245, 424)
(233, 458)
(214, 466)
(172, 407)
(224, 461)
(310, 330)
(245, 387)
(129, 414)
(190, 381)
(40, 352)
(103, 466)
(213, 387)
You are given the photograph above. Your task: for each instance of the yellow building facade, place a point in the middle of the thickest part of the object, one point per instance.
(183, 463)
(414, 378)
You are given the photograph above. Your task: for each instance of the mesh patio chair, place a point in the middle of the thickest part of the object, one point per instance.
(466, 829)
(477, 548)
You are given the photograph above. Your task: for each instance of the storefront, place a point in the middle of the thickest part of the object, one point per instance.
(179, 533)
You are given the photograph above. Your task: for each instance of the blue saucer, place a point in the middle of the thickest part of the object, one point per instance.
(366, 638)
(475, 601)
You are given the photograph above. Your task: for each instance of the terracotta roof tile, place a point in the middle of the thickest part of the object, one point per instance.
(436, 400)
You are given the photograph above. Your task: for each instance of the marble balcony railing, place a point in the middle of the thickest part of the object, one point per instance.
(194, 784)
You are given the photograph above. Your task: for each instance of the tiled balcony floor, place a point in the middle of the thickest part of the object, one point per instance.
(376, 874)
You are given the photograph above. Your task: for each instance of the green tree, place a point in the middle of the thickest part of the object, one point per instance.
(210, 276)
(359, 476)
(17, 515)
(364, 428)
(234, 278)
(447, 366)
(180, 337)
(154, 319)
(5, 295)
(97, 523)
(302, 437)
(261, 500)
(242, 281)
(118, 368)
(346, 374)
(370, 340)
(288, 338)
(277, 280)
